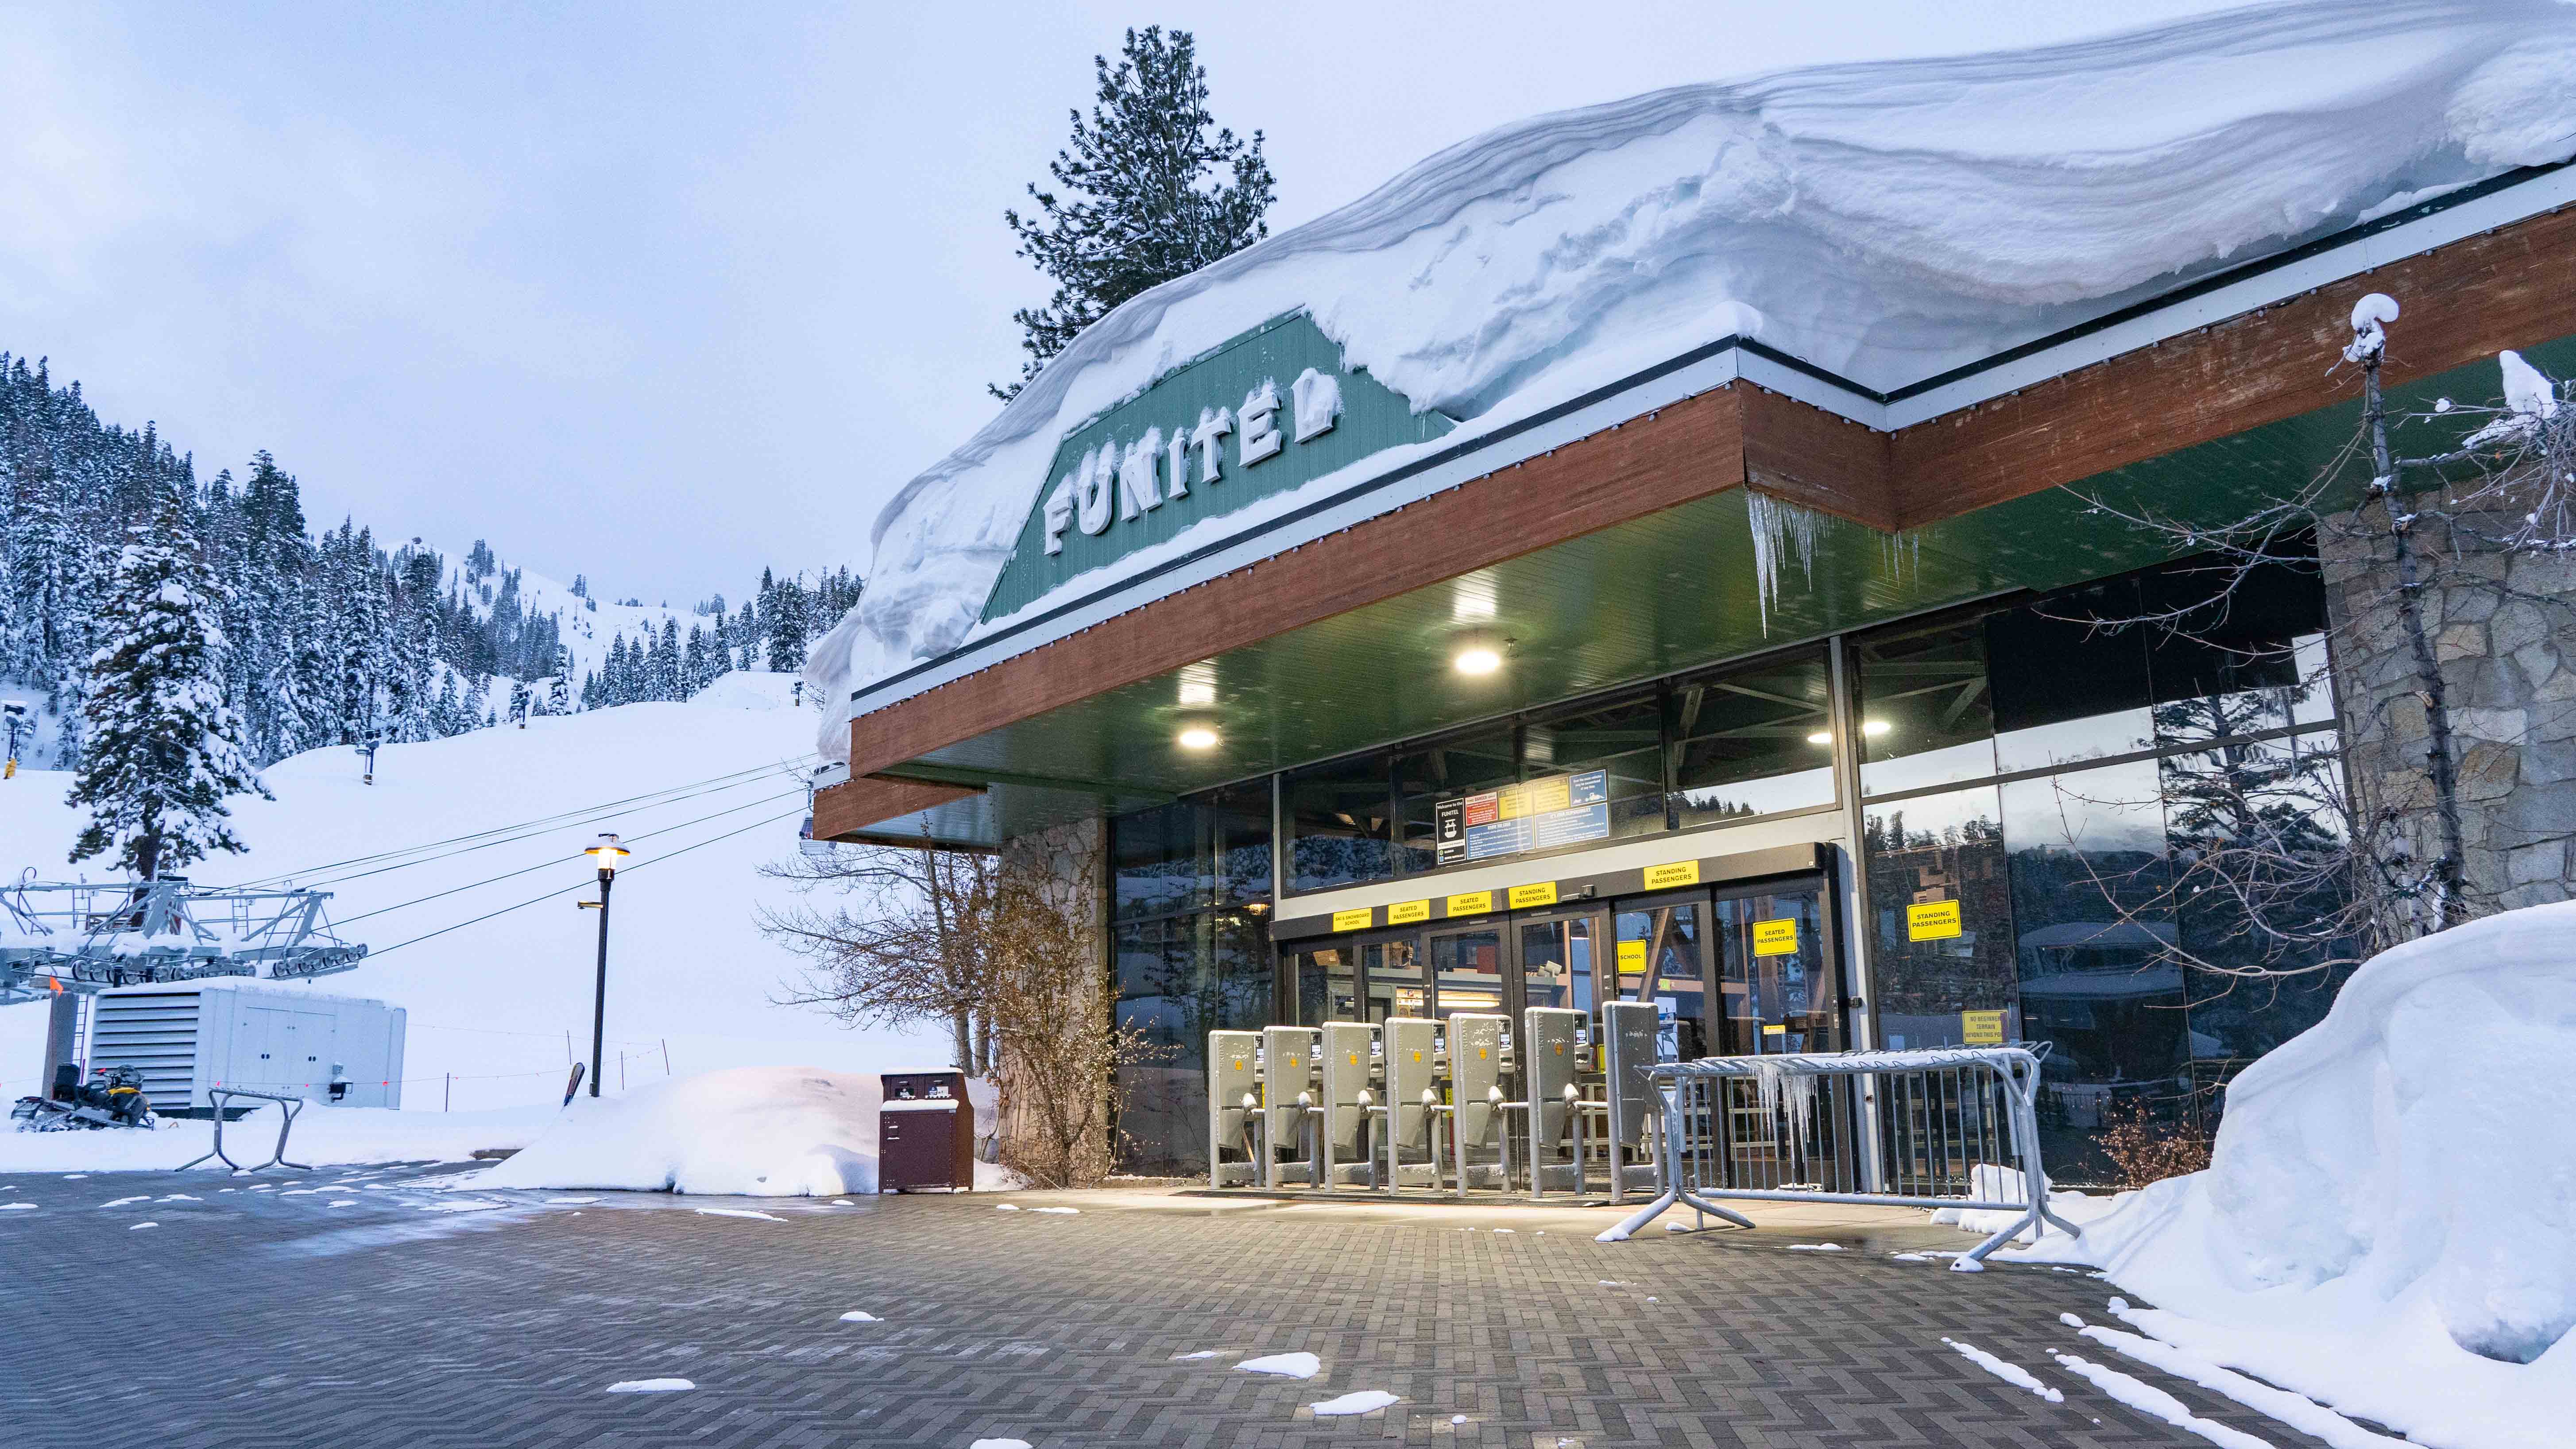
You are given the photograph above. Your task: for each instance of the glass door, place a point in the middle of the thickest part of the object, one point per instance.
(1396, 985)
(1781, 988)
(1559, 960)
(1663, 958)
(1467, 970)
(1325, 983)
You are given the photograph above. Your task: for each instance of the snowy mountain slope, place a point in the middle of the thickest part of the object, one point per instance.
(1885, 220)
(588, 625)
(492, 1002)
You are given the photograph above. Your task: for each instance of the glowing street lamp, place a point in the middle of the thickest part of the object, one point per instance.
(608, 854)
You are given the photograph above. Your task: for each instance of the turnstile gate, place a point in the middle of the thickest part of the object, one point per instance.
(1465, 1105)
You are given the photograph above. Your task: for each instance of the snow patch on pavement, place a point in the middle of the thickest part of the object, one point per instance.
(1359, 1401)
(1286, 1365)
(650, 1386)
(2011, 1373)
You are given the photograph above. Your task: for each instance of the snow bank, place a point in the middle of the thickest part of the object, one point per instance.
(1886, 220)
(748, 1132)
(324, 1137)
(2388, 1223)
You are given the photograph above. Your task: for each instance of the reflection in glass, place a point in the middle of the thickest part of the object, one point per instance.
(1209, 850)
(1395, 980)
(2069, 675)
(1926, 718)
(1623, 738)
(1779, 989)
(2242, 653)
(1752, 742)
(1340, 817)
(1178, 980)
(1328, 985)
(1467, 969)
(1664, 944)
(1931, 963)
(1556, 963)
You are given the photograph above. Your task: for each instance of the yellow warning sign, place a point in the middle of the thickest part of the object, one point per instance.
(1981, 1028)
(1932, 921)
(1473, 903)
(1407, 913)
(1542, 894)
(1665, 877)
(1776, 938)
(1352, 920)
(1775, 1031)
(1632, 958)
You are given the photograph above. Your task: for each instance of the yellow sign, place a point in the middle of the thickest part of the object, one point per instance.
(1981, 1028)
(1632, 958)
(1407, 913)
(1473, 903)
(1776, 938)
(1353, 920)
(1542, 894)
(1679, 873)
(1545, 797)
(1508, 803)
(1775, 1031)
(1932, 921)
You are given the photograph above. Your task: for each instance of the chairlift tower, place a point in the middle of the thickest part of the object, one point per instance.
(63, 941)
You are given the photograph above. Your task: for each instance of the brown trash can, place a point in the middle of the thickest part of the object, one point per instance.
(925, 1133)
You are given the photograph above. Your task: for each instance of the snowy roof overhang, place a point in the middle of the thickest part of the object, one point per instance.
(1582, 536)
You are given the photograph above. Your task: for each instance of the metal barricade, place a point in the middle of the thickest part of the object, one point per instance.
(287, 1106)
(1791, 1128)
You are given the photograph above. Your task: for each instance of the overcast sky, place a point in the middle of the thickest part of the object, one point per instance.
(662, 294)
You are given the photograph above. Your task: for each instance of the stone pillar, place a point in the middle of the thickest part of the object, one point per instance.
(2503, 629)
(1069, 866)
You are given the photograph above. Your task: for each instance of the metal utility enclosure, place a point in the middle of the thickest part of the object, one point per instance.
(190, 1038)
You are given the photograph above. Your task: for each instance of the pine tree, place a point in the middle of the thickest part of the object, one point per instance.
(164, 750)
(787, 628)
(1139, 205)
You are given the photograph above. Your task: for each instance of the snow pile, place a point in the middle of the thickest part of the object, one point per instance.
(747, 1132)
(1886, 220)
(2389, 1221)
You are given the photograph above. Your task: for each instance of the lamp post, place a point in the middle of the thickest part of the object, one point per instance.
(20, 722)
(609, 854)
(367, 747)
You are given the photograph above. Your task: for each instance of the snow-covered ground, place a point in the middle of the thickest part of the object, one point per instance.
(501, 1004)
(323, 1137)
(750, 1131)
(2388, 1224)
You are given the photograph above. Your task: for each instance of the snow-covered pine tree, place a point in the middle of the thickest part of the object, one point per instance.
(1140, 202)
(164, 751)
(787, 627)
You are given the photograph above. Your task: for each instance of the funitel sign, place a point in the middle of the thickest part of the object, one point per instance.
(1262, 415)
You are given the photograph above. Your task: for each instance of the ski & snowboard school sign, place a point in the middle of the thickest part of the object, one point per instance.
(1257, 416)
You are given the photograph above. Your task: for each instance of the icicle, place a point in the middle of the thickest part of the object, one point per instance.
(1778, 528)
(1902, 553)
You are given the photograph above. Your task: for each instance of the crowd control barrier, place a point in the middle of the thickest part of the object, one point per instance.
(1792, 1128)
(287, 1107)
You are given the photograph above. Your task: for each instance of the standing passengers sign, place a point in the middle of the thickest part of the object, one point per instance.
(1261, 415)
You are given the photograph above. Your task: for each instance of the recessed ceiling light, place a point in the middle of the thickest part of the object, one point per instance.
(1873, 727)
(1478, 659)
(1821, 737)
(1198, 737)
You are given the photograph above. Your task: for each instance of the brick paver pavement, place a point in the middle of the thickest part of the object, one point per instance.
(358, 1316)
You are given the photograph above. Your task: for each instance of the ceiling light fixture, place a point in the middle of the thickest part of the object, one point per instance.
(1821, 737)
(1873, 727)
(1198, 737)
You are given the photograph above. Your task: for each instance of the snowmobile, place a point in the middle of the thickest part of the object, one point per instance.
(112, 1097)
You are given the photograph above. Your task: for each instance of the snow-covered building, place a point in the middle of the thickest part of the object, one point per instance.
(1656, 548)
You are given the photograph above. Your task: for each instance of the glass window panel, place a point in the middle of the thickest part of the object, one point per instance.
(2092, 920)
(1753, 742)
(1468, 970)
(1665, 942)
(1455, 767)
(2067, 685)
(1624, 739)
(1246, 972)
(1556, 963)
(1166, 993)
(1211, 849)
(1237, 820)
(1340, 816)
(1931, 852)
(1926, 717)
(2242, 653)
